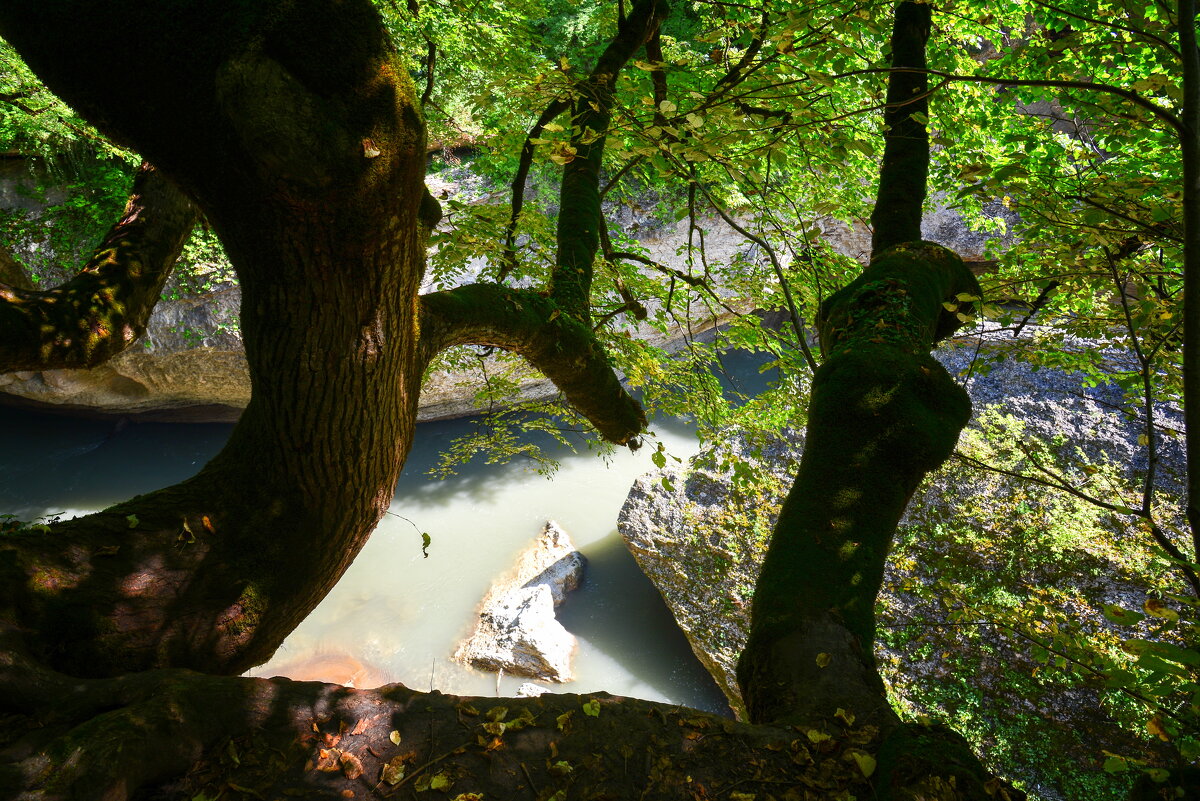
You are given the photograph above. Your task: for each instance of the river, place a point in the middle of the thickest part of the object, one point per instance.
(395, 613)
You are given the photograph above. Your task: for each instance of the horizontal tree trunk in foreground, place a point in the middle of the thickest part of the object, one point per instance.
(175, 734)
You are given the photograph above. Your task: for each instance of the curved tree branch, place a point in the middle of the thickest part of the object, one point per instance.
(533, 325)
(104, 309)
(553, 331)
(556, 107)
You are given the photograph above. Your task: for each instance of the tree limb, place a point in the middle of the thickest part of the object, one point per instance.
(534, 326)
(104, 309)
(905, 166)
(578, 235)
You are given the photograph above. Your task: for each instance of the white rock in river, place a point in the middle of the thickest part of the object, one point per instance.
(517, 631)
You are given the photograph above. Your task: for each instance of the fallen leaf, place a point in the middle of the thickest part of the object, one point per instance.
(327, 760)
(393, 772)
(394, 737)
(352, 766)
(823, 660)
(866, 762)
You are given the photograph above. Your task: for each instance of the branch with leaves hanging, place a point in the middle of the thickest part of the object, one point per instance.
(553, 330)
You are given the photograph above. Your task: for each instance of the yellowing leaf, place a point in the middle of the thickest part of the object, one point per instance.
(552, 127)
(816, 736)
(441, 782)
(1157, 608)
(394, 737)
(1155, 726)
(393, 772)
(865, 762)
(667, 108)
(823, 660)
(844, 716)
(948, 306)
(497, 713)
(564, 720)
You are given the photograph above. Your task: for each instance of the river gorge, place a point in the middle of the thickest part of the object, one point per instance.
(397, 615)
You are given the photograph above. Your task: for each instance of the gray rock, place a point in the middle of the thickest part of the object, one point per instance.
(530, 690)
(517, 631)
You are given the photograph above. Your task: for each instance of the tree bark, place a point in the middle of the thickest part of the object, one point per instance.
(295, 128)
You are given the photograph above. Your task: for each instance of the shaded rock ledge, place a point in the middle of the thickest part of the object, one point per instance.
(517, 632)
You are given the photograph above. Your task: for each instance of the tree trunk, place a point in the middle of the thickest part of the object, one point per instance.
(297, 132)
(882, 415)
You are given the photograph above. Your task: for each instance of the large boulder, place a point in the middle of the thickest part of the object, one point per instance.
(700, 533)
(517, 632)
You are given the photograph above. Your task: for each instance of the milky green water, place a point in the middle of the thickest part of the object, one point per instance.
(395, 612)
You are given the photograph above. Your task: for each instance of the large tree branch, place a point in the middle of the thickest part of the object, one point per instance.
(553, 331)
(902, 175)
(104, 309)
(579, 207)
(533, 325)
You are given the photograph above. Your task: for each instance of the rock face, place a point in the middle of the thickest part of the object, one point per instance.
(190, 364)
(517, 631)
(702, 540)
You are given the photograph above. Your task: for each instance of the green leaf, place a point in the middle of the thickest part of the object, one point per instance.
(1115, 764)
(591, 708)
(132, 520)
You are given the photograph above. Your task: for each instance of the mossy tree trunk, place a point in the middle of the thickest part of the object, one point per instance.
(882, 415)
